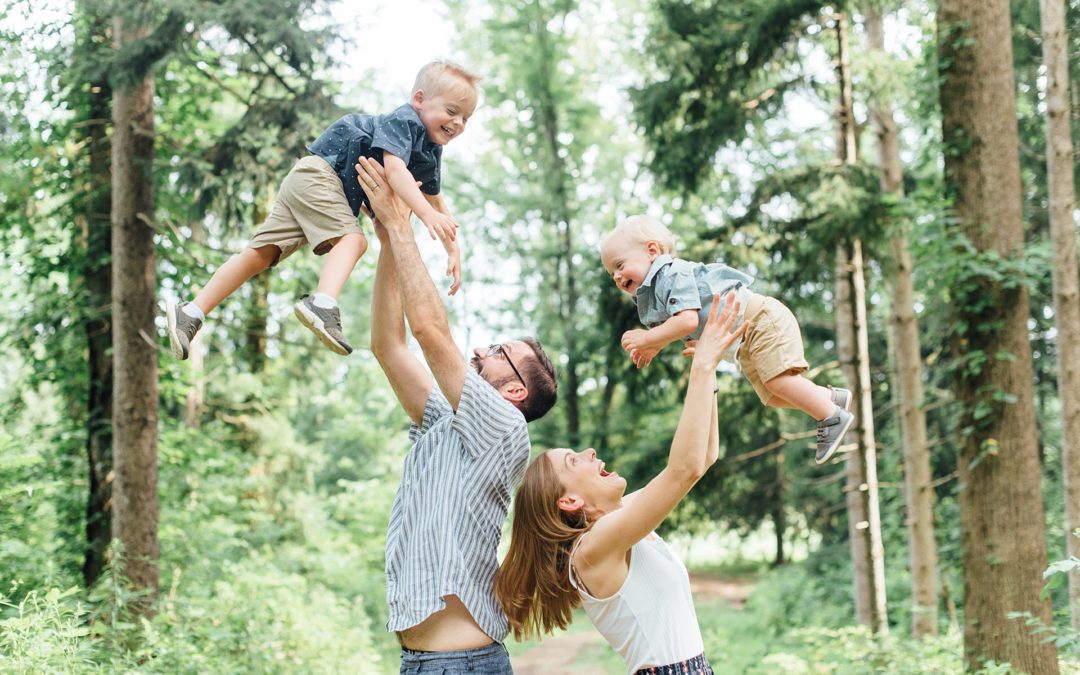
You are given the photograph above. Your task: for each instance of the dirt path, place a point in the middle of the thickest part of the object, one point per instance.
(558, 655)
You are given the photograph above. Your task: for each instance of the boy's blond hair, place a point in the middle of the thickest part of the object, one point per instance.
(641, 230)
(440, 76)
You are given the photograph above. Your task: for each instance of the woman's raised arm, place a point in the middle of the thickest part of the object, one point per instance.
(693, 450)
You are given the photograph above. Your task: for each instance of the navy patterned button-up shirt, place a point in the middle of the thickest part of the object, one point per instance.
(401, 133)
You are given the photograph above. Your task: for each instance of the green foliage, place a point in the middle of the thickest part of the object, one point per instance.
(720, 65)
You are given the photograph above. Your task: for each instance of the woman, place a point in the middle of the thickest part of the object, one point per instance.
(577, 539)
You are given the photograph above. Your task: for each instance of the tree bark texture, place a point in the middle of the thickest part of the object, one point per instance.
(864, 513)
(918, 490)
(557, 178)
(1000, 499)
(259, 306)
(195, 399)
(1059, 170)
(135, 395)
(779, 518)
(96, 278)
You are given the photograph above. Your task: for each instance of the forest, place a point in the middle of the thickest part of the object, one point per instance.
(900, 173)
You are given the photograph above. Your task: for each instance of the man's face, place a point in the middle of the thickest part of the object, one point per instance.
(444, 115)
(497, 363)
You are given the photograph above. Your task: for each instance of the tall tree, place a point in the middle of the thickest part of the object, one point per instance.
(918, 491)
(135, 395)
(92, 103)
(852, 345)
(1059, 169)
(1000, 499)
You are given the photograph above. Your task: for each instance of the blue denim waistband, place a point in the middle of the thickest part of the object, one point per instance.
(699, 665)
(411, 656)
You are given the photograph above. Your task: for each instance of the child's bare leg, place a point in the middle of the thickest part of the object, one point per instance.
(796, 391)
(338, 263)
(233, 274)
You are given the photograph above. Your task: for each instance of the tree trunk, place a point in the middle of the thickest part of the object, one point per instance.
(1059, 169)
(918, 490)
(777, 515)
(557, 178)
(864, 515)
(1001, 508)
(96, 278)
(195, 399)
(135, 396)
(259, 307)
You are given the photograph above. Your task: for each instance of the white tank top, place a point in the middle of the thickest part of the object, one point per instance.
(651, 620)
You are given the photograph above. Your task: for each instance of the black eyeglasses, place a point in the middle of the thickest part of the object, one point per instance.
(499, 349)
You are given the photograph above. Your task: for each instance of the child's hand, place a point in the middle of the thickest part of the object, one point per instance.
(453, 267)
(643, 357)
(637, 345)
(441, 226)
(635, 339)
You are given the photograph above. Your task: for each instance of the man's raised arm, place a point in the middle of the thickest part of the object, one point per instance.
(416, 292)
(408, 377)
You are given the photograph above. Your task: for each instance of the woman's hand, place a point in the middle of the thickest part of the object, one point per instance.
(390, 210)
(717, 336)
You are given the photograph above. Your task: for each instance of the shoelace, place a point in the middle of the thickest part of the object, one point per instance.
(334, 319)
(191, 326)
(822, 433)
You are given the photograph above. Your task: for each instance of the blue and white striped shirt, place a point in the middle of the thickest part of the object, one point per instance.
(449, 510)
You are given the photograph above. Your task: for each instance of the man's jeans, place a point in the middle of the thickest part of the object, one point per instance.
(492, 659)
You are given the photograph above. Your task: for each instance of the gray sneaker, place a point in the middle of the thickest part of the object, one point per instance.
(830, 431)
(841, 397)
(326, 323)
(182, 329)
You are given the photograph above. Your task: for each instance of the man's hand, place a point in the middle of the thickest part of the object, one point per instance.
(389, 209)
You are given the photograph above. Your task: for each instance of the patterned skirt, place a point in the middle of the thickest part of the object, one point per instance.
(699, 665)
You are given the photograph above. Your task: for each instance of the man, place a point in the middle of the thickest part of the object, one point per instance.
(470, 449)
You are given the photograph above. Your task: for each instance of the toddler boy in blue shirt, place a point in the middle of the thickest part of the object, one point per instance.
(320, 199)
(673, 299)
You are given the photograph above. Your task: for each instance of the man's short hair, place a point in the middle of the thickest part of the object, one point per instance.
(539, 375)
(438, 76)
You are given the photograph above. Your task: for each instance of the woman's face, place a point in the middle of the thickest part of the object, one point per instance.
(588, 485)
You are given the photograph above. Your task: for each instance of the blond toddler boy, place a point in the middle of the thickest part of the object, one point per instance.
(673, 298)
(320, 199)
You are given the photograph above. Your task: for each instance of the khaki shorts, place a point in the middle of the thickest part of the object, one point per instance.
(772, 344)
(311, 208)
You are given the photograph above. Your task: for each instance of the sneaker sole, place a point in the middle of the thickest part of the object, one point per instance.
(839, 439)
(174, 338)
(316, 325)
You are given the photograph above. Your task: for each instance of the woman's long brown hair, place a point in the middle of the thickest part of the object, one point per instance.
(532, 583)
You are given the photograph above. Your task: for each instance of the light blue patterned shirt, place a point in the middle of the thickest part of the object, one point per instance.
(674, 285)
(449, 510)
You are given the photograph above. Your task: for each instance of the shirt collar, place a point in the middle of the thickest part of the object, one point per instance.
(659, 263)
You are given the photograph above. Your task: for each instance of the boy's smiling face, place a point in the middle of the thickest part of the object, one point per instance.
(628, 261)
(445, 113)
